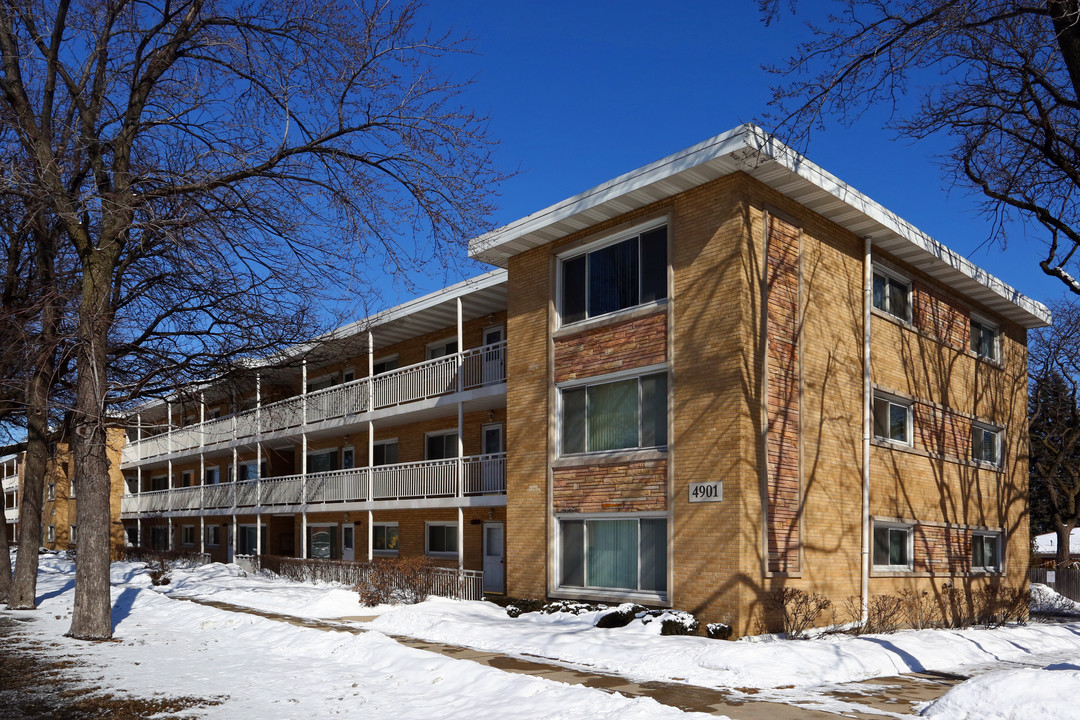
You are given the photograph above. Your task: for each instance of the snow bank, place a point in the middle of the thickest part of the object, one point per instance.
(1047, 601)
(1012, 695)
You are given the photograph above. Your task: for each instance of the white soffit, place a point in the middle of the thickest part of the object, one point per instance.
(749, 149)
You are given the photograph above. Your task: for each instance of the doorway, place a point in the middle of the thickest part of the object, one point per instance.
(494, 558)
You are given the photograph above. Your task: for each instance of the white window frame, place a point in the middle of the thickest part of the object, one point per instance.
(187, 535)
(73, 535)
(893, 276)
(330, 376)
(995, 345)
(998, 449)
(502, 436)
(384, 359)
(996, 538)
(348, 375)
(436, 433)
(439, 344)
(603, 592)
(50, 533)
(635, 373)
(427, 538)
(213, 535)
(217, 474)
(909, 530)
(600, 244)
(51, 491)
(395, 551)
(391, 441)
(484, 332)
(909, 427)
(341, 458)
(187, 478)
(334, 452)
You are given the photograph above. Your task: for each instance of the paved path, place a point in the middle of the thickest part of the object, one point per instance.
(868, 700)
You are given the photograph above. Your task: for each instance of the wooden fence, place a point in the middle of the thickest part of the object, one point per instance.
(1064, 581)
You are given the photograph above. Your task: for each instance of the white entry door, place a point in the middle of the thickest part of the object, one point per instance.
(347, 552)
(494, 367)
(494, 558)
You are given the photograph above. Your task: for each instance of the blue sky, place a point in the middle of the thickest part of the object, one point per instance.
(580, 92)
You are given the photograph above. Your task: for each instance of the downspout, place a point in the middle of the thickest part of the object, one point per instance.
(868, 296)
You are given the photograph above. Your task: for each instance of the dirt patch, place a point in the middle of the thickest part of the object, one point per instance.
(36, 682)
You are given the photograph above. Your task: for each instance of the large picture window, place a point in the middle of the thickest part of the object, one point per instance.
(615, 415)
(616, 554)
(617, 276)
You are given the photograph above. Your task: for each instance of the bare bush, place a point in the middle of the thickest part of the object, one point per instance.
(885, 614)
(404, 580)
(920, 608)
(996, 605)
(797, 609)
(957, 611)
(174, 558)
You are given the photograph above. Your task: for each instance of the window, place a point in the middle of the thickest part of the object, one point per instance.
(50, 533)
(384, 365)
(321, 383)
(442, 539)
(348, 458)
(248, 471)
(386, 452)
(160, 483)
(985, 444)
(984, 339)
(892, 295)
(73, 535)
(442, 348)
(384, 538)
(213, 535)
(615, 415)
(892, 419)
(71, 488)
(892, 547)
(322, 542)
(615, 277)
(348, 375)
(187, 478)
(247, 539)
(131, 533)
(210, 476)
(617, 554)
(187, 535)
(985, 552)
(52, 492)
(441, 446)
(322, 461)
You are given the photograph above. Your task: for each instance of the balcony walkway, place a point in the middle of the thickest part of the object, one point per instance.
(474, 369)
(454, 482)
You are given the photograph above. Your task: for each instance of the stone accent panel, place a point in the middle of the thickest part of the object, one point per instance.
(633, 343)
(940, 317)
(625, 487)
(941, 550)
(939, 431)
(783, 396)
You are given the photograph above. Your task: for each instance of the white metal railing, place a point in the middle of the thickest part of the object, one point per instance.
(480, 366)
(11, 515)
(457, 584)
(481, 475)
(10, 482)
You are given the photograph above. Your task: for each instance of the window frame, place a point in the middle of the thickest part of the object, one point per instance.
(212, 535)
(909, 531)
(438, 433)
(584, 384)
(332, 452)
(391, 552)
(73, 534)
(50, 533)
(428, 525)
(385, 442)
(987, 535)
(187, 535)
(995, 338)
(997, 433)
(891, 276)
(50, 493)
(602, 244)
(441, 345)
(385, 359)
(909, 424)
(217, 474)
(610, 592)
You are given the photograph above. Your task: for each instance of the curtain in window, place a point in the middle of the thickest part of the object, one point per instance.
(613, 415)
(612, 554)
(613, 278)
(572, 555)
(654, 554)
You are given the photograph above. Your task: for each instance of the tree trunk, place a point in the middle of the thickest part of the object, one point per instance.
(23, 594)
(1064, 532)
(91, 618)
(5, 563)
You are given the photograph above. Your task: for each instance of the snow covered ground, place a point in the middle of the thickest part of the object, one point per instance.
(272, 669)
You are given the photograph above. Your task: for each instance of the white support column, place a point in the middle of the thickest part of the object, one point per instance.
(234, 538)
(138, 437)
(202, 533)
(258, 443)
(138, 531)
(370, 536)
(202, 467)
(461, 484)
(370, 461)
(169, 471)
(303, 462)
(258, 534)
(460, 349)
(370, 371)
(460, 539)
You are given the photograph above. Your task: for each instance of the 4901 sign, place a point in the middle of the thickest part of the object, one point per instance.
(707, 491)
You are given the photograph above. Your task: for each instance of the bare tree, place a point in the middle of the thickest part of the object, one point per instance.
(217, 170)
(1054, 426)
(1002, 81)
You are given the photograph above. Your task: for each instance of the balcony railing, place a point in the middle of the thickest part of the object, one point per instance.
(477, 475)
(11, 515)
(433, 378)
(9, 482)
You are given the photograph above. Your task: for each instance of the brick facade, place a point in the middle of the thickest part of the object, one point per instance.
(620, 487)
(620, 346)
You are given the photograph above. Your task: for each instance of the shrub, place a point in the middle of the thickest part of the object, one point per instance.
(797, 609)
(175, 558)
(159, 571)
(620, 616)
(996, 605)
(718, 631)
(957, 607)
(921, 610)
(672, 622)
(570, 606)
(388, 580)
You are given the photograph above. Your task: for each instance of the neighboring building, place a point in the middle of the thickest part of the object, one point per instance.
(59, 521)
(713, 357)
(713, 372)
(1046, 546)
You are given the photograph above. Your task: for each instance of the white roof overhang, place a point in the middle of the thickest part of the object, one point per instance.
(750, 149)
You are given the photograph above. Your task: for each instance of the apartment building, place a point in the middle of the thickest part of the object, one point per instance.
(59, 518)
(383, 439)
(731, 372)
